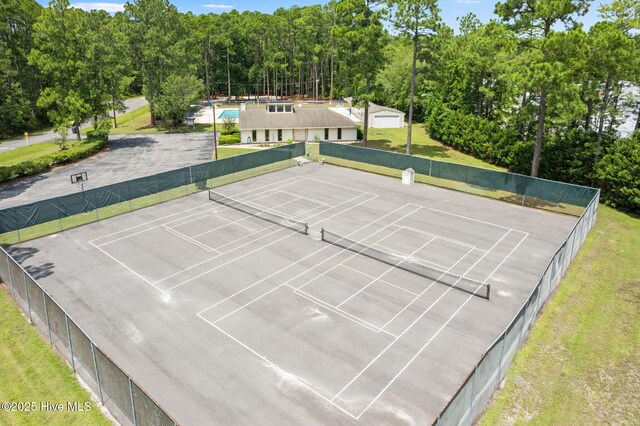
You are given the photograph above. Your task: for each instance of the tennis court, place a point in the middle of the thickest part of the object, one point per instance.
(314, 295)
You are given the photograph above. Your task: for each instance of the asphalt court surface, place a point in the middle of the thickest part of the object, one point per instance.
(222, 316)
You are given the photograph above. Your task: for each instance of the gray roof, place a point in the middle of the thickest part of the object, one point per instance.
(373, 108)
(302, 118)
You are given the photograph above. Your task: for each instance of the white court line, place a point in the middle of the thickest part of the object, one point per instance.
(130, 270)
(417, 258)
(476, 220)
(215, 208)
(384, 273)
(266, 245)
(417, 319)
(439, 330)
(296, 263)
(236, 240)
(313, 200)
(380, 280)
(228, 222)
(197, 207)
(338, 311)
(190, 240)
(264, 358)
(233, 222)
(352, 253)
(271, 226)
(451, 240)
(433, 283)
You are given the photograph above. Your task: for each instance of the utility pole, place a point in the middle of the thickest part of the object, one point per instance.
(215, 133)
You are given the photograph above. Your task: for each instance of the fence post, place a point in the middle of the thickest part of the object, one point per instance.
(13, 293)
(26, 290)
(473, 391)
(504, 339)
(133, 405)
(46, 314)
(95, 365)
(73, 362)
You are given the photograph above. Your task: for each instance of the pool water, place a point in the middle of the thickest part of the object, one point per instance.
(229, 113)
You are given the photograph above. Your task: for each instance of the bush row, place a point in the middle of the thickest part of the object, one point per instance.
(79, 151)
(230, 139)
(567, 157)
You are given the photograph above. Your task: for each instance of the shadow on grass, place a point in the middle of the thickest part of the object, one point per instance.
(422, 150)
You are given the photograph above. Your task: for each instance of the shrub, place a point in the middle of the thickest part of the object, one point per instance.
(77, 152)
(229, 126)
(618, 174)
(229, 139)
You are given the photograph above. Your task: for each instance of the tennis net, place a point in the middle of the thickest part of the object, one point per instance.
(294, 225)
(458, 282)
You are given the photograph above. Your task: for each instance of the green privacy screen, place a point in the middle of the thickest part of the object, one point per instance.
(520, 189)
(39, 218)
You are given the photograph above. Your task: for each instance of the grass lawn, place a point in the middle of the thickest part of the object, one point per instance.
(224, 151)
(30, 152)
(31, 372)
(422, 145)
(138, 121)
(581, 363)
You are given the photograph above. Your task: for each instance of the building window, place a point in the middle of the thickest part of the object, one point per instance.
(254, 135)
(272, 108)
(326, 134)
(266, 135)
(339, 134)
(288, 108)
(280, 108)
(279, 135)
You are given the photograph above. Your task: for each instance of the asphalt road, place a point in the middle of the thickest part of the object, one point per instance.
(128, 157)
(130, 104)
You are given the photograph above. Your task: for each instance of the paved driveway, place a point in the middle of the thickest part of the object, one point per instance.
(128, 157)
(130, 104)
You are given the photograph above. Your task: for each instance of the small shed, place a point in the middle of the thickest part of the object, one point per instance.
(381, 117)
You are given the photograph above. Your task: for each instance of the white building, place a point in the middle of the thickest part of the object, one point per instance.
(281, 122)
(382, 117)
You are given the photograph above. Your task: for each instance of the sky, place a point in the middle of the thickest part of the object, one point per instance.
(451, 9)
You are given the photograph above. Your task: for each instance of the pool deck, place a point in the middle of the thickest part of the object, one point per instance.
(205, 115)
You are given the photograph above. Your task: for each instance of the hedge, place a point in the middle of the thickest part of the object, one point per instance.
(231, 139)
(83, 149)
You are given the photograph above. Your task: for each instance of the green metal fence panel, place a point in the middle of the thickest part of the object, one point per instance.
(59, 208)
(116, 392)
(148, 413)
(525, 186)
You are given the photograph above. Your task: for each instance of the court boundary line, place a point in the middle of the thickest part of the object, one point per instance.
(389, 269)
(213, 257)
(196, 207)
(324, 247)
(190, 240)
(416, 321)
(290, 234)
(441, 328)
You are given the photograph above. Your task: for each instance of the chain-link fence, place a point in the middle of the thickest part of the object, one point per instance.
(124, 399)
(514, 188)
(471, 398)
(128, 402)
(28, 221)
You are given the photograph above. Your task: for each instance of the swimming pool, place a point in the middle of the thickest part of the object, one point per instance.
(229, 113)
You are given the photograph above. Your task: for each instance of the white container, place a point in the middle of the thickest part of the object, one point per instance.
(408, 176)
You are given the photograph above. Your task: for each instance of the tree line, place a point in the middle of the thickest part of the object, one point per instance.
(532, 89)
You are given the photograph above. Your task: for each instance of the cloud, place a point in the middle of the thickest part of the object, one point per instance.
(468, 1)
(109, 7)
(218, 6)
